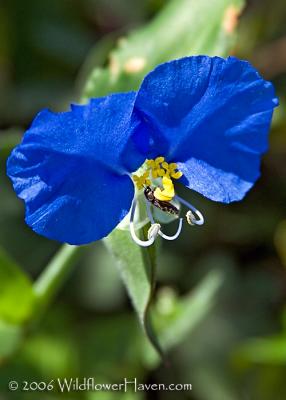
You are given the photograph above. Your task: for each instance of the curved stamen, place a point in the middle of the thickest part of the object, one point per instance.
(154, 230)
(193, 219)
(163, 235)
(143, 243)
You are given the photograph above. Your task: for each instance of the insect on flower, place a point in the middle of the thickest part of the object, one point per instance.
(200, 121)
(165, 206)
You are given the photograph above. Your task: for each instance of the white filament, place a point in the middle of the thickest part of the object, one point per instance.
(196, 218)
(143, 243)
(163, 235)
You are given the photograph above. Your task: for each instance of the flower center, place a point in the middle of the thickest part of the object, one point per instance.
(159, 169)
(156, 178)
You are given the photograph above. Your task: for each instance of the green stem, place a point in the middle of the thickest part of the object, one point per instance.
(55, 273)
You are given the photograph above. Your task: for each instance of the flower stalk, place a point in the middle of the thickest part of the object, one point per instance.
(54, 275)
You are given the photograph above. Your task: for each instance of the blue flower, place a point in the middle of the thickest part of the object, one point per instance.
(202, 120)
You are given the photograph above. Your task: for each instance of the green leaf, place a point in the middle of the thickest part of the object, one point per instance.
(17, 296)
(137, 268)
(184, 27)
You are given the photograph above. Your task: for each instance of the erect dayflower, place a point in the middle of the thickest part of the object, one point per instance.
(202, 121)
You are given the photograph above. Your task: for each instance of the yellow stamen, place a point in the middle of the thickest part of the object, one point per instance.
(177, 175)
(170, 170)
(150, 163)
(159, 168)
(142, 180)
(159, 160)
(160, 172)
(154, 173)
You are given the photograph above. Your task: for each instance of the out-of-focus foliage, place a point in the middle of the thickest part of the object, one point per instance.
(17, 296)
(169, 36)
(238, 350)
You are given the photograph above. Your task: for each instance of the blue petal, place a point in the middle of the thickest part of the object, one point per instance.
(70, 169)
(102, 130)
(212, 116)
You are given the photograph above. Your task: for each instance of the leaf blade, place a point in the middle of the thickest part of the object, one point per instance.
(137, 268)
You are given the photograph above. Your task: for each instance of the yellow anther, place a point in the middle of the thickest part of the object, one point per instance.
(150, 163)
(154, 173)
(160, 172)
(177, 175)
(155, 166)
(168, 191)
(165, 165)
(173, 166)
(159, 160)
(171, 170)
(142, 180)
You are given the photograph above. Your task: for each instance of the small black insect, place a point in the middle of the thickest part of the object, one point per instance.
(165, 206)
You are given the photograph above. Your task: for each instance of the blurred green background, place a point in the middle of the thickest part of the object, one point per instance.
(233, 344)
